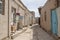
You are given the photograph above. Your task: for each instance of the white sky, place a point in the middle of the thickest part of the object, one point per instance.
(33, 5)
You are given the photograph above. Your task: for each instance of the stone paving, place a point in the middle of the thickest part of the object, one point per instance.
(34, 33)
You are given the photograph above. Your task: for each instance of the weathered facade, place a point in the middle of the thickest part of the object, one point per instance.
(27, 13)
(16, 16)
(32, 17)
(48, 19)
(24, 13)
(4, 19)
(45, 14)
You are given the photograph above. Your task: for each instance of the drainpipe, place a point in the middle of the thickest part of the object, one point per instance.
(8, 18)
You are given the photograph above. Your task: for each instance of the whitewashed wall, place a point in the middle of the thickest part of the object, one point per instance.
(4, 22)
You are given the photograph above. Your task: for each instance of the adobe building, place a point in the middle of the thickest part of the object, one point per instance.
(48, 18)
(12, 17)
(4, 32)
(26, 18)
(45, 14)
(33, 16)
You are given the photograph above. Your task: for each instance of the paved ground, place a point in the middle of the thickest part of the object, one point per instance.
(34, 33)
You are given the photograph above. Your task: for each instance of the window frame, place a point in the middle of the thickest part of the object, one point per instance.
(3, 7)
(45, 16)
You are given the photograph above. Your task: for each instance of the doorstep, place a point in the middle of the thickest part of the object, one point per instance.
(18, 32)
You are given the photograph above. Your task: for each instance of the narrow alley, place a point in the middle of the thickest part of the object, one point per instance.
(29, 19)
(34, 33)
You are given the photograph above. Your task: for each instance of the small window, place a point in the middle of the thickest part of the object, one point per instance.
(58, 3)
(45, 16)
(0, 0)
(12, 0)
(2, 6)
(49, 0)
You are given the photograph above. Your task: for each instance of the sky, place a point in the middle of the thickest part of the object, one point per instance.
(33, 5)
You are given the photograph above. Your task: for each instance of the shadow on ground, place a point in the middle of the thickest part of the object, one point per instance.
(39, 34)
(35, 33)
